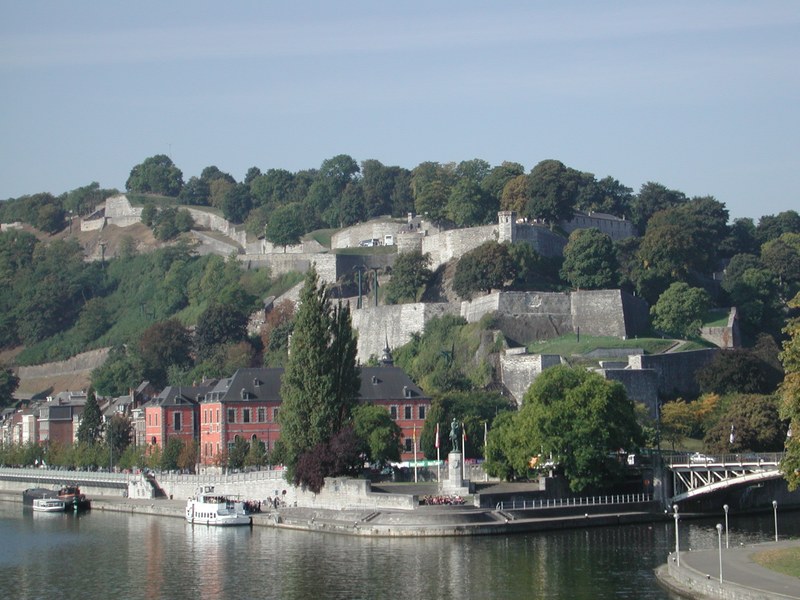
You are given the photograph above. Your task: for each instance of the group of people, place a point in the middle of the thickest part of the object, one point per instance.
(441, 500)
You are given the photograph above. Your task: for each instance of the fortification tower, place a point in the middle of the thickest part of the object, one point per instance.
(507, 220)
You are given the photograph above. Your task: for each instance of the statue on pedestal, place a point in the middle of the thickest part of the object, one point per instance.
(454, 435)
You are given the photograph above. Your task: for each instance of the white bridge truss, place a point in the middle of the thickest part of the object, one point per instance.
(697, 474)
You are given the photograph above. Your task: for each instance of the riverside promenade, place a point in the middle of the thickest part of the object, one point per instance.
(742, 578)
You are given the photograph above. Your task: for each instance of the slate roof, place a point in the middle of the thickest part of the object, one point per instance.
(263, 385)
(181, 395)
(388, 383)
(260, 384)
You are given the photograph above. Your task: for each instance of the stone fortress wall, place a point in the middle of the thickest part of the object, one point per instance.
(393, 323)
(614, 227)
(351, 237)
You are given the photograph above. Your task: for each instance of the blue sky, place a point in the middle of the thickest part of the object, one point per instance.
(699, 96)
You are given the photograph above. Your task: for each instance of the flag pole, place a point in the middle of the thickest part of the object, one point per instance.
(415, 454)
(463, 451)
(438, 458)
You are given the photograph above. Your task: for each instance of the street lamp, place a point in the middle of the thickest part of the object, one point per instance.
(725, 508)
(719, 540)
(677, 542)
(775, 513)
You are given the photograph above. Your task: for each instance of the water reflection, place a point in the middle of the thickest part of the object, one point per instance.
(108, 555)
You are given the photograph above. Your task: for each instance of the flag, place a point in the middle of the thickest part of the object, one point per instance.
(415, 435)
(436, 445)
(464, 429)
(485, 436)
(733, 435)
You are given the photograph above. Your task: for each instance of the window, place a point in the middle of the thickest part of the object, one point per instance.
(407, 413)
(176, 421)
(245, 415)
(393, 412)
(409, 445)
(262, 415)
(421, 410)
(275, 414)
(231, 415)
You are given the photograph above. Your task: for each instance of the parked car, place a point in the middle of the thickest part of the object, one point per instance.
(369, 243)
(700, 458)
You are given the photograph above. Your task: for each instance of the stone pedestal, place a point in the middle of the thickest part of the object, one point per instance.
(454, 482)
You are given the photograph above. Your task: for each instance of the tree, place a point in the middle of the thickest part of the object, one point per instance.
(554, 191)
(196, 192)
(91, 424)
(8, 385)
(236, 203)
(751, 423)
(286, 225)
(781, 256)
(680, 310)
(652, 198)
(678, 420)
(734, 371)
(575, 416)
(379, 433)
(495, 181)
(771, 227)
(607, 196)
(516, 193)
(256, 454)
(162, 345)
(156, 175)
(430, 185)
(590, 260)
(119, 435)
(217, 325)
(790, 397)
(321, 381)
(487, 267)
(171, 454)
(410, 272)
(238, 453)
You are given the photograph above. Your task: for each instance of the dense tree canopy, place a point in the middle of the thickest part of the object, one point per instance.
(554, 190)
(590, 260)
(409, 274)
(680, 310)
(790, 397)
(156, 175)
(574, 416)
(487, 267)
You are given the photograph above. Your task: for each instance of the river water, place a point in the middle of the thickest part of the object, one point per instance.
(101, 555)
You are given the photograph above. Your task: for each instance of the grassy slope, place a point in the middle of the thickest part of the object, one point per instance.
(786, 561)
(568, 345)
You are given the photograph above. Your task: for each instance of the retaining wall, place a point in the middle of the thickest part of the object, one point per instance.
(676, 371)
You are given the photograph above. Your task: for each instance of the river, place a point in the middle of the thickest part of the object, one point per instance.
(102, 555)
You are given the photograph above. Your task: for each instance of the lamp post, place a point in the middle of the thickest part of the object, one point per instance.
(775, 514)
(719, 540)
(677, 539)
(725, 508)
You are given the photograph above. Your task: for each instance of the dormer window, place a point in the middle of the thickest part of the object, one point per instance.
(374, 380)
(243, 393)
(406, 392)
(256, 383)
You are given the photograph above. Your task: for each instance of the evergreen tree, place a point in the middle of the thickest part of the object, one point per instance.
(321, 381)
(91, 425)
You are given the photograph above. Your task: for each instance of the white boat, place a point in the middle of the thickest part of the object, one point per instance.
(48, 505)
(210, 508)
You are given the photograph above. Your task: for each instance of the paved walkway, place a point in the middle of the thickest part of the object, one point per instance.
(739, 568)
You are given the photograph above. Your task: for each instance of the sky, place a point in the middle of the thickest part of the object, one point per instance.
(702, 97)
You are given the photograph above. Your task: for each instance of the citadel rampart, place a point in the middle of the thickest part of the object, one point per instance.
(529, 316)
(395, 323)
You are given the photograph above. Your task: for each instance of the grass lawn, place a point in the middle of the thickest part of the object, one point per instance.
(786, 561)
(716, 318)
(323, 236)
(567, 345)
(366, 251)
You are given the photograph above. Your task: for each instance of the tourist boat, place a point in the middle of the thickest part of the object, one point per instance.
(48, 505)
(73, 498)
(207, 507)
(31, 495)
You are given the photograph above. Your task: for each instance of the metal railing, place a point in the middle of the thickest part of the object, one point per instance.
(699, 459)
(611, 499)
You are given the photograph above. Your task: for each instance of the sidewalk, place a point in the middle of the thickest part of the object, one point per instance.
(741, 576)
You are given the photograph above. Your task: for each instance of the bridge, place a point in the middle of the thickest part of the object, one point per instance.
(698, 474)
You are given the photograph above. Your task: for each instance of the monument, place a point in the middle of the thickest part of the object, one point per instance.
(455, 483)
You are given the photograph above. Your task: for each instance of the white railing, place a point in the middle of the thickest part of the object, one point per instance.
(56, 474)
(569, 502)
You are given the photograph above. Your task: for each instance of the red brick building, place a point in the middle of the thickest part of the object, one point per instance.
(174, 413)
(247, 404)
